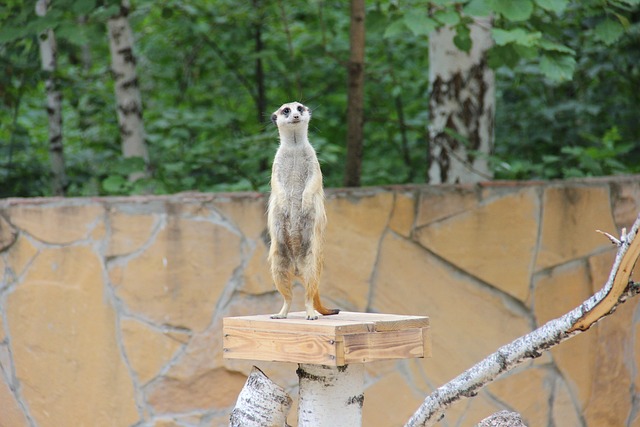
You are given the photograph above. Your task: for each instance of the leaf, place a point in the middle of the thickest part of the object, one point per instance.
(462, 39)
(513, 10)
(419, 22)
(503, 55)
(558, 67)
(518, 35)
(556, 47)
(447, 17)
(114, 184)
(395, 28)
(557, 6)
(82, 7)
(609, 31)
(477, 8)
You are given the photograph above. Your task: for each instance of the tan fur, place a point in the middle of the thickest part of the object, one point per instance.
(296, 215)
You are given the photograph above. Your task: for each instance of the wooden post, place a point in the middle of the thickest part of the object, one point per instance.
(331, 353)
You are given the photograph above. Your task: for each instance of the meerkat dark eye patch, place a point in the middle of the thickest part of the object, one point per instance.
(300, 108)
(286, 111)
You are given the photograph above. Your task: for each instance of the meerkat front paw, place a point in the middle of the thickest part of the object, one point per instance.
(314, 317)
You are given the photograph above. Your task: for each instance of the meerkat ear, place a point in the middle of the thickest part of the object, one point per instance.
(274, 118)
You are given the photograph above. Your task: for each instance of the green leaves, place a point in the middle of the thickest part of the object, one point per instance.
(557, 67)
(557, 6)
(609, 31)
(419, 22)
(513, 10)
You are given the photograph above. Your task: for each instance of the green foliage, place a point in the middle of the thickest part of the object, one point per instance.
(567, 89)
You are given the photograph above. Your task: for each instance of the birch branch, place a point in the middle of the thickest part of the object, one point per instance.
(615, 291)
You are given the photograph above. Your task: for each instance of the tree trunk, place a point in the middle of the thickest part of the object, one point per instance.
(355, 101)
(128, 100)
(261, 403)
(461, 106)
(48, 55)
(261, 95)
(330, 396)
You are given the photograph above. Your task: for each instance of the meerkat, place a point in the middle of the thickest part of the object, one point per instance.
(296, 216)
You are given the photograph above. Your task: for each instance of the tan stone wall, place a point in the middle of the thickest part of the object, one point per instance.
(111, 309)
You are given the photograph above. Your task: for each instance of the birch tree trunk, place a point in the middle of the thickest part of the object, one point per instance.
(261, 403)
(355, 101)
(461, 106)
(330, 396)
(128, 100)
(48, 56)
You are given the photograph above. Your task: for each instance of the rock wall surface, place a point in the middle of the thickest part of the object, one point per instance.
(111, 309)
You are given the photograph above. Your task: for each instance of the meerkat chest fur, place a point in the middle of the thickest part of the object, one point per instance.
(295, 166)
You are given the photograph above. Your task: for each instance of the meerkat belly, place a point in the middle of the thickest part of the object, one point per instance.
(296, 222)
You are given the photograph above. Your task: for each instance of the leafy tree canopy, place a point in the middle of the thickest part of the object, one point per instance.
(568, 74)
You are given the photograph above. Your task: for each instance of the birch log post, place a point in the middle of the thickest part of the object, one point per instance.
(615, 291)
(331, 395)
(128, 99)
(48, 57)
(261, 403)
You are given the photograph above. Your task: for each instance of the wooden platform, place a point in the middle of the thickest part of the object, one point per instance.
(336, 340)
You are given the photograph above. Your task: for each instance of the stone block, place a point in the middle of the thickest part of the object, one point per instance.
(557, 291)
(128, 232)
(21, 253)
(10, 415)
(441, 202)
(613, 373)
(212, 390)
(149, 350)
(57, 224)
(8, 234)
(248, 214)
(626, 203)
(569, 220)
(527, 392)
(389, 401)
(564, 411)
(256, 277)
(64, 343)
(409, 280)
(494, 241)
(404, 214)
(352, 240)
(178, 279)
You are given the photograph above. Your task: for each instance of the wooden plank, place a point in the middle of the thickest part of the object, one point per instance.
(279, 346)
(343, 323)
(362, 348)
(332, 340)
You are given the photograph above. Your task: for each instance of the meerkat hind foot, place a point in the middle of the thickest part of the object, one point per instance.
(314, 317)
(278, 316)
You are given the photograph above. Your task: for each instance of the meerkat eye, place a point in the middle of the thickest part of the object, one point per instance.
(286, 111)
(300, 108)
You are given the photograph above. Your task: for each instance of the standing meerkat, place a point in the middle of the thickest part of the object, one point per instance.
(296, 215)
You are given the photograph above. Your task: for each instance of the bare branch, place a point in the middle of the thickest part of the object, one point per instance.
(615, 291)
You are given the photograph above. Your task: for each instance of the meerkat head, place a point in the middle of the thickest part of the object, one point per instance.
(291, 114)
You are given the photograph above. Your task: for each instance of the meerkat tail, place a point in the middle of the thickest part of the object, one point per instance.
(317, 305)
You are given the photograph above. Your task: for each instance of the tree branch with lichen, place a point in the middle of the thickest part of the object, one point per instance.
(617, 289)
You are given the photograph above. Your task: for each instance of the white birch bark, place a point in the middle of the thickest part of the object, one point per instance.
(615, 291)
(462, 99)
(48, 57)
(261, 403)
(331, 396)
(128, 100)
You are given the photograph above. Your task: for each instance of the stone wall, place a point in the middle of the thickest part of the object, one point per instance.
(111, 308)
